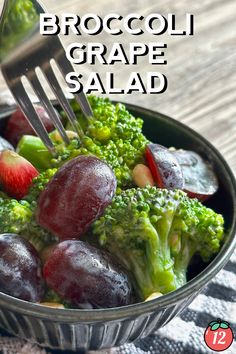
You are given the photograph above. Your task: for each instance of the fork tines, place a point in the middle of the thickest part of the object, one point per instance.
(40, 56)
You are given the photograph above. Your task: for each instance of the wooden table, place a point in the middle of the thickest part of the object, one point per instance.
(201, 69)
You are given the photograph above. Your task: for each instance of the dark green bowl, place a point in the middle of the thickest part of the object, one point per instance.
(73, 329)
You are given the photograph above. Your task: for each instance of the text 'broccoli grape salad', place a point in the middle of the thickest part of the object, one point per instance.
(108, 220)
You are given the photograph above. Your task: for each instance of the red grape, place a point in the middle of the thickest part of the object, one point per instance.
(164, 166)
(20, 269)
(199, 178)
(18, 125)
(76, 196)
(86, 276)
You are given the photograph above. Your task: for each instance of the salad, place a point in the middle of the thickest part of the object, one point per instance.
(108, 220)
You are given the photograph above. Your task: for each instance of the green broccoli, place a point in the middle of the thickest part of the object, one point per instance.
(155, 232)
(112, 134)
(18, 217)
(39, 184)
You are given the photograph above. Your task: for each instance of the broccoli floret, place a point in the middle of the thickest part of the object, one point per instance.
(195, 229)
(19, 212)
(155, 232)
(39, 183)
(51, 296)
(18, 217)
(112, 134)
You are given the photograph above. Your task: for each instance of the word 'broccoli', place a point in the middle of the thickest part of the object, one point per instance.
(155, 232)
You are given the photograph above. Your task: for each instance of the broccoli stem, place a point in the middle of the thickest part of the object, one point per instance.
(182, 260)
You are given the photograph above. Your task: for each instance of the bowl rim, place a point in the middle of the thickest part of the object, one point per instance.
(140, 308)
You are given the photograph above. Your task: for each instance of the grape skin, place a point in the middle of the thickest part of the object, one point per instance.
(86, 276)
(20, 269)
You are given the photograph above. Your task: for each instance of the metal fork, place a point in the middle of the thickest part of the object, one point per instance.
(23, 50)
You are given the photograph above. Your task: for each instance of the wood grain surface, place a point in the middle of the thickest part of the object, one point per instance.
(201, 69)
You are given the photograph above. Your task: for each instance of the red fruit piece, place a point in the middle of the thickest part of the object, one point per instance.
(86, 276)
(16, 174)
(199, 178)
(20, 268)
(76, 196)
(18, 125)
(164, 166)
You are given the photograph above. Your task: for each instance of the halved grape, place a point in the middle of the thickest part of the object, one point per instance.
(165, 168)
(200, 180)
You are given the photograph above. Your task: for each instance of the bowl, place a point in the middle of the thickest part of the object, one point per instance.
(81, 330)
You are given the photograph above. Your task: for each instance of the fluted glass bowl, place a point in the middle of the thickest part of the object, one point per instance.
(81, 330)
